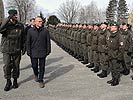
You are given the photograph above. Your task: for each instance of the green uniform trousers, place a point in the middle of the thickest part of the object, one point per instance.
(103, 61)
(116, 68)
(11, 65)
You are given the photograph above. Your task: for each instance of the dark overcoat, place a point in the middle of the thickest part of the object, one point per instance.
(38, 42)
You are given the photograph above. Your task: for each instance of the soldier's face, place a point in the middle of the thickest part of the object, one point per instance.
(15, 17)
(121, 26)
(80, 26)
(84, 26)
(73, 26)
(96, 27)
(77, 25)
(103, 26)
(114, 28)
(124, 27)
(90, 27)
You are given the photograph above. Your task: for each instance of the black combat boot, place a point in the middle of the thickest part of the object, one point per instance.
(115, 82)
(110, 81)
(91, 65)
(96, 69)
(85, 61)
(93, 69)
(102, 74)
(15, 84)
(126, 72)
(80, 59)
(8, 85)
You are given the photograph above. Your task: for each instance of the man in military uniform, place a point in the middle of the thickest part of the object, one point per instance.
(84, 44)
(94, 47)
(102, 50)
(88, 41)
(127, 49)
(12, 44)
(115, 54)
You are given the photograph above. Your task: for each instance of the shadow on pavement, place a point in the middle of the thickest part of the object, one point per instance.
(27, 67)
(26, 80)
(53, 60)
(56, 71)
(59, 72)
(52, 68)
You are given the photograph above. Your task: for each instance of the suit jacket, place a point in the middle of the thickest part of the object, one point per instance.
(38, 42)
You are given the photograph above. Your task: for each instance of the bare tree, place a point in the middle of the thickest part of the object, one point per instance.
(1, 10)
(82, 15)
(68, 11)
(91, 14)
(25, 8)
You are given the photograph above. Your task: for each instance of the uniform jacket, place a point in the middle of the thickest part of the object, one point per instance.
(89, 37)
(13, 37)
(115, 44)
(38, 42)
(102, 41)
(94, 42)
(127, 40)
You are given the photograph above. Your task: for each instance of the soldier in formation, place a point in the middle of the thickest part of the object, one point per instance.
(105, 48)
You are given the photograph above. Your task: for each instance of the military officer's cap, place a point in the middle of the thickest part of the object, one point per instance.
(12, 11)
(114, 24)
(104, 23)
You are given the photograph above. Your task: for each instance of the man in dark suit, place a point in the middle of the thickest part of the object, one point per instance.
(38, 48)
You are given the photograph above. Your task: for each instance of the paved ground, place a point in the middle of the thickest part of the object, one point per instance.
(66, 79)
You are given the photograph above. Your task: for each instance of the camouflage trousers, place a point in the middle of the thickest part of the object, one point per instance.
(90, 56)
(116, 68)
(84, 52)
(95, 58)
(126, 61)
(103, 61)
(11, 67)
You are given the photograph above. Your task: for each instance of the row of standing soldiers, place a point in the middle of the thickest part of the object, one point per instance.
(105, 47)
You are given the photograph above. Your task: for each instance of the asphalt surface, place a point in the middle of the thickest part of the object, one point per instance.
(65, 79)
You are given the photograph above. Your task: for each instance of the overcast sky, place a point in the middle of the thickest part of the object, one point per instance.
(53, 5)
